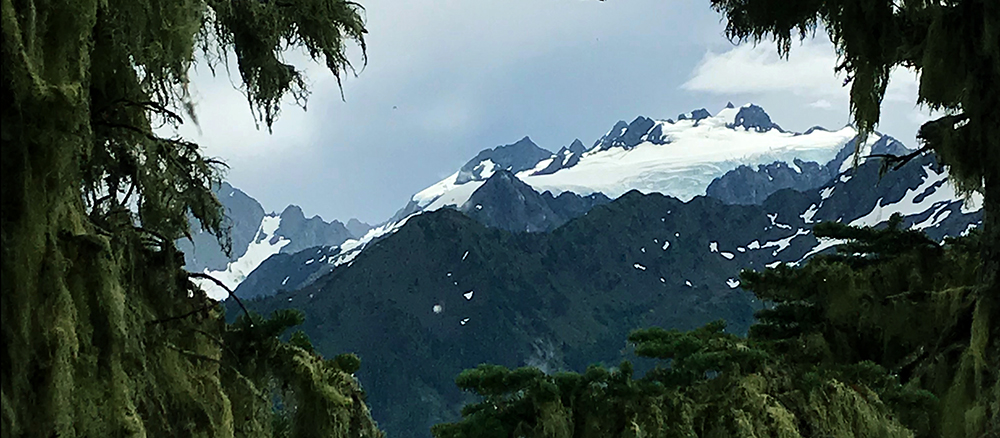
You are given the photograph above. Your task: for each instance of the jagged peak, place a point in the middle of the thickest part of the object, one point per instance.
(521, 155)
(695, 115)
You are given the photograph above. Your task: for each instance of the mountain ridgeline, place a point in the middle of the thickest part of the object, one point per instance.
(487, 267)
(445, 292)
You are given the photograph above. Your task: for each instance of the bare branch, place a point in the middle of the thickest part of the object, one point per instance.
(898, 161)
(222, 285)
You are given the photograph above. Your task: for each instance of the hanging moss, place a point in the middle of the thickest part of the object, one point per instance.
(103, 333)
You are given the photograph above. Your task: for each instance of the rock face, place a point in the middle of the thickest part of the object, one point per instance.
(697, 114)
(256, 235)
(305, 233)
(626, 135)
(357, 228)
(522, 155)
(502, 202)
(445, 293)
(243, 216)
(576, 147)
(753, 117)
(746, 185)
(507, 203)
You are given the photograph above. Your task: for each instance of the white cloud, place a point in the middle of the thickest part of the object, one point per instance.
(808, 72)
(226, 125)
(821, 104)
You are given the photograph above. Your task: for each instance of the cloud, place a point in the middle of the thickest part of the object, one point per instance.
(821, 104)
(808, 72)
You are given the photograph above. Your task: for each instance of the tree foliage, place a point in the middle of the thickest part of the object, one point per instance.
(103, 333)
(284, 389)
(954, 45)
(871, 341)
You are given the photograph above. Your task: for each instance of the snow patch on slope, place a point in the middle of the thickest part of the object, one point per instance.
(935, 192)
(351, 248)
(264, 245)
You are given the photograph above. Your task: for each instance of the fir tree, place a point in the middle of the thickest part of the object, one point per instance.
(954, 46)
(103, 333)
(858, 343)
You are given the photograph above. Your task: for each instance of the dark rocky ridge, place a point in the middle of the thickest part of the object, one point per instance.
(503, 202)
(357, 228)
(304, 233)
(507, 203)
(243, 217)
(746, 185)
(753, 117)
(521, 155)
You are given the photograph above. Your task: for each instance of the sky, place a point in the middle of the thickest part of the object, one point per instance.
(448, 78)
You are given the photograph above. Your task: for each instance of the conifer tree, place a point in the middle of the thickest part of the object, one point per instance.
(103, 333)
(857, 343)
(954, 46)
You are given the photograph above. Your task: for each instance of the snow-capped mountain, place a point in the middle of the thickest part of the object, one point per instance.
(256, 235)
(444, 289)
(746, 185)
(443, 293)
(523, 187)
(676, 158)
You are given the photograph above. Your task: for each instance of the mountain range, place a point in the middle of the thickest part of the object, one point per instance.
(255, 236)
(445, 292)
(491, 266)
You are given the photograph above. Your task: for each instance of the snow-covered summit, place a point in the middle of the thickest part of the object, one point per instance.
(677, 158)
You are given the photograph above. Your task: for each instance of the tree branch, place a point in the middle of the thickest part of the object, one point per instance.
(897, 161)
(222, 285)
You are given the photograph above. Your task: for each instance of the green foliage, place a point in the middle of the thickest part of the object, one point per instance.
(301, 394)
(697, 354)
(347, 362)
(103, 334)
(301, 340)
(259, 32)
(851, 344)
(953, 45)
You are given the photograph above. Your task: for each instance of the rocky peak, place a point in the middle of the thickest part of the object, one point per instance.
(577, 147)
(695, 115)
(521, 155)
(357, 228)
(626, 135)
(753, 117)
(305, 233)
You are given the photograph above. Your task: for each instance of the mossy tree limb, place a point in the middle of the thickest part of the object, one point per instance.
(93, 199)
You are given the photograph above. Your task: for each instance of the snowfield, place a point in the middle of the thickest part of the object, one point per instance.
(695, 153)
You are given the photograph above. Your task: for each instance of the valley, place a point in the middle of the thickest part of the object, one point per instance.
(506, 275)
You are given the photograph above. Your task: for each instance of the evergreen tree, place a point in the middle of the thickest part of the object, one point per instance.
(858, 343)
(103, 333)
(954, 46)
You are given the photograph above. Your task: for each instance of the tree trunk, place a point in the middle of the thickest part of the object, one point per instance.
(986, 325)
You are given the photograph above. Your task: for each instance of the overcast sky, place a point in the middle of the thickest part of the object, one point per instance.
(448, 78)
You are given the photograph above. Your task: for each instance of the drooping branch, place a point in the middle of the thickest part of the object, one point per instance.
(223, 286)
(898, 161)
